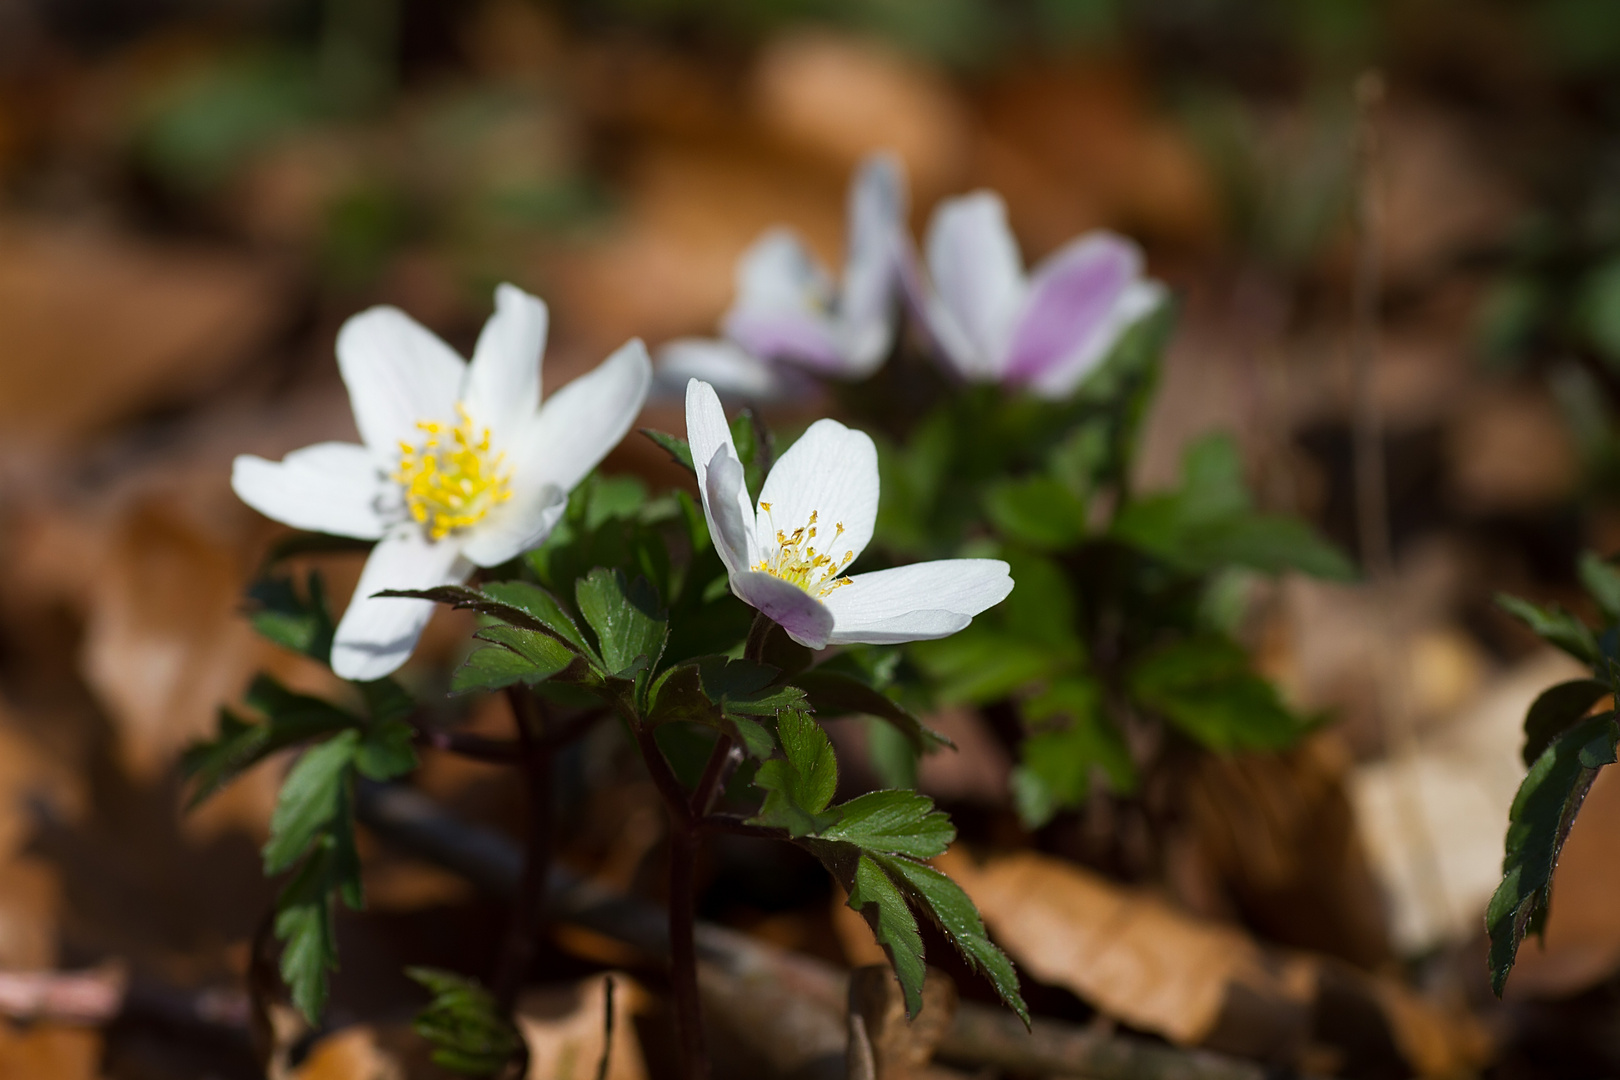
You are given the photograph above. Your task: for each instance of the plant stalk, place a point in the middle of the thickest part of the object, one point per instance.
(528, 913)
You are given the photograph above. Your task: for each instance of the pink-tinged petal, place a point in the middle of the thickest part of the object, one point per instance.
(1068, 322)
(502, 386)
(805, 618)
(916, 602)
(377, 634)
(807, 338)
(334, 488)
(831, 471)
(1141, 298)
(978, 283)
(725, 496)
(520, 524)
(581, 423)
(877, 235)
(398, 373)
(731, 370)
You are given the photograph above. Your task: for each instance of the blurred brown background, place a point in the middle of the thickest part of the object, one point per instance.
(194, 195)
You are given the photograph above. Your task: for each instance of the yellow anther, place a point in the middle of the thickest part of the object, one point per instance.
(796, 562)
(451, 484)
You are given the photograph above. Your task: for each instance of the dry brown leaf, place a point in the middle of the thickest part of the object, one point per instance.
(568, 1030)
(1198, 982)
(353, 1053)
(1509, 450)
(57, 1051)
(96, 326)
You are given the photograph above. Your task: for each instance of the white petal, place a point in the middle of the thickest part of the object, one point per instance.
(502, 387)
(518, 525)
(377, 634)
(832, 472)
(866, 305)
(777, 271)
(333, 488)
(916, 602)
(1141, 299)
(708, 434)
(805, 618)
(397, 373)
(978, 282)
(784, 305)
(580, 423)
(731, 370)
(725, 506)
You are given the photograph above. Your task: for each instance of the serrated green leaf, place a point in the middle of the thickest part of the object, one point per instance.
(833, 693)
(1602, 581)
(1558, 709)
(674, 446)
(461, 597)
(892, 822)
(541, 606)
(799, 785)
(1037, 511)
(311, 798)
(535, 656)
(626, 616)
(489, 668)
(883, 906)
(305, 926)
(386, 700)
(1539, 822)
(679, 695)
(1204, 687)
(953, 912)
(1553, 625)
(386, 750)
(240, 745)
(464, 1024)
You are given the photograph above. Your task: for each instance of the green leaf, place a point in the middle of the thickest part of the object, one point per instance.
(1602, 581)
(1553, 625)
(1539, 822)
(1204, 687)
(676, 447)
(1037, 511)
(883, 906)
(531, 656)
(386, 750)
(892, 822)
(626, 616)
(981, 664)
(953, 912)
(1558, 709)
(799, 785)
(305, 923)
(310, 800)
(834, 693)
(540, 606)
(300, 623)
(1072, 739)
(464, 1024)
(240, 744)
(529, 613)
(679, 695)
(386, 700)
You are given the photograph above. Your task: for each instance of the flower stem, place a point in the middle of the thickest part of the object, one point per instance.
(528, 913)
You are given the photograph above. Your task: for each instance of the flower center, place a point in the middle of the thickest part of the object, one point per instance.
(451, 479)
(796, 559)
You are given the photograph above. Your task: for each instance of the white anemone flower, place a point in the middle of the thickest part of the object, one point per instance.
(461, 464)
(789, 557)
(790, 318)
(1046, 330)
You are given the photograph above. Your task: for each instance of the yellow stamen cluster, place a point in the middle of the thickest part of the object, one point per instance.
(797, 561)
(451, 479)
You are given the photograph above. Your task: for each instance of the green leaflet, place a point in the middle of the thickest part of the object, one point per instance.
(310, 800)
(240, 744)
(1602, 582)
(875, 896)
(300, 623)
(799, 786)
(1037, 511)
(892, 822)
(464, 1024)
(626, 617)
(954, 913)
(1553, 625)
(1539, 822)
(673, 445)
(835, 693)
(1557, 710)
